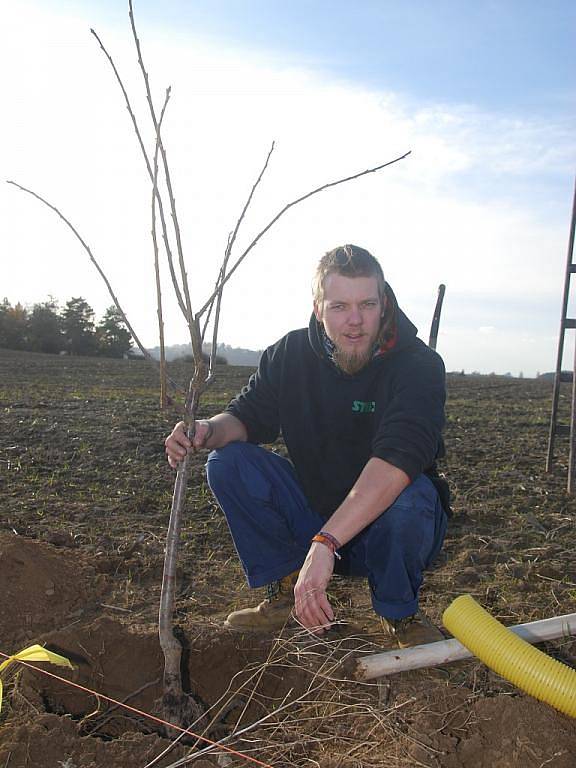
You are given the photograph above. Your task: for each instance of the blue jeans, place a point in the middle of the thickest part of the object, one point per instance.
(272, 524)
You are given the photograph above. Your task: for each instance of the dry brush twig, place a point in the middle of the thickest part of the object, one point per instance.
(324, 702)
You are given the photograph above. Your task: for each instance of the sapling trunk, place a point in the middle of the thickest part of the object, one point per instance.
(177, 706)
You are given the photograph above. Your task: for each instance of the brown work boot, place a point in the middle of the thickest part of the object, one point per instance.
(269, 615)
(411, 631)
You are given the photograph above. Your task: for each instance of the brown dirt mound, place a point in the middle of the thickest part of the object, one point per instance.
(506, 731)
(228, 674)
(457, 730)
(41, 587)
(126, 664)
(50, 740)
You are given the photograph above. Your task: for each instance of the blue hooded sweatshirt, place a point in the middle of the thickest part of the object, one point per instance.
(333, 422)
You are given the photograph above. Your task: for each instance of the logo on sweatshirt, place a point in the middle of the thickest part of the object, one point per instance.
(359, 406)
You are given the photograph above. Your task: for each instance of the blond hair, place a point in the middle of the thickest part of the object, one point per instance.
(348, 261)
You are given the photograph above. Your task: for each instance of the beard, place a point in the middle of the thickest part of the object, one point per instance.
(352, 362)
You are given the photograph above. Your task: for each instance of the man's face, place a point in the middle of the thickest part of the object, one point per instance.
(351, 313)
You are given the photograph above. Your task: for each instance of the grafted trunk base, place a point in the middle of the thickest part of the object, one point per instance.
(183, 710)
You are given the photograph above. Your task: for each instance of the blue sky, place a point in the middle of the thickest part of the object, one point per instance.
(514, 54)
(481, 92)
(515, 57)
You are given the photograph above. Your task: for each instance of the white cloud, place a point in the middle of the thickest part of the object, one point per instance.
(450, 213)
(500, 144)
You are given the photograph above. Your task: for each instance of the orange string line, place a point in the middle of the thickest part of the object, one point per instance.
(137, 711)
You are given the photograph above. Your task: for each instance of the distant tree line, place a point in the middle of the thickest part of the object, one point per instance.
(232, 355)
(45, 327)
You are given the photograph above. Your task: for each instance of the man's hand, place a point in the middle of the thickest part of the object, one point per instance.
(178, 445)
(311, 604)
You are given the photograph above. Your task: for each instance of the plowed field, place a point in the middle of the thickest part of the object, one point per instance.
(85, 496)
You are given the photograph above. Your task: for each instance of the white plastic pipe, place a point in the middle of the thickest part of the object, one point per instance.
(446, 651)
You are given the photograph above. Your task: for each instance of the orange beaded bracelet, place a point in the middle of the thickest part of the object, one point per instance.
(329, 541)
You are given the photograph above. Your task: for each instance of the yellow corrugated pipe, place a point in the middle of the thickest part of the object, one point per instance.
(511, 657)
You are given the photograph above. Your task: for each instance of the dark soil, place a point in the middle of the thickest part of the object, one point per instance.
(85, 496)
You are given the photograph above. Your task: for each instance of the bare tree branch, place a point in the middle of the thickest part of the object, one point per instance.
(211, 307)
(222, 274)
(150, 173)
(189, 313)
(163, 395)
(93, 260)
(241, 258)
(141, 347)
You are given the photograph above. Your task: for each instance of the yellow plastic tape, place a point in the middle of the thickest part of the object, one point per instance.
(511, 657)
(34, 653)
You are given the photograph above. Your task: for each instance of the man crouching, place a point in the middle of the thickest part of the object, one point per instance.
(359, 401)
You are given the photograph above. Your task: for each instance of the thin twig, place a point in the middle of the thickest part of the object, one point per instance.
(150, 173)
(163, 402)
(312, 688)
(319, 679)
(258, 678)
(93, 260)
(286, 208)
(231, 241)
(222, 742)
(211, 307)
(115, 608)
(86, 247)
(184, 276)
(107, 716)
(319, 705)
